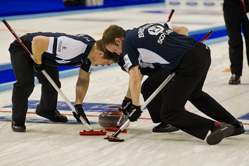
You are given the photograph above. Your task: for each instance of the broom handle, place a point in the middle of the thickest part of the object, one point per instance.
(146, 102)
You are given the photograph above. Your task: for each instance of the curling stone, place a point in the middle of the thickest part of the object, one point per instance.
(110, 118)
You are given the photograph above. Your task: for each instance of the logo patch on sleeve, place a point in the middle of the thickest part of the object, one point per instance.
(128, 63)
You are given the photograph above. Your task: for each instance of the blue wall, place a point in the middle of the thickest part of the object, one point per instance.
(21, 7)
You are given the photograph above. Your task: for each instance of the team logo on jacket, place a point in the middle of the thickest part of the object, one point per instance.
(60, 47)
(155, 30)
(158, 29)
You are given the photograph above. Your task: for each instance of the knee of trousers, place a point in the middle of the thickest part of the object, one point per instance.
(145, 90)
(24, 88)
(58, 83)
(167, 114)
(50, 87)
(235, 43)
(145, 87)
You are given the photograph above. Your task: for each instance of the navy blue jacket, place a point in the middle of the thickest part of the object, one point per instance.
(153, 45)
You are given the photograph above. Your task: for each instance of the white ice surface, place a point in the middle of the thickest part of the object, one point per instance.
(55, 144)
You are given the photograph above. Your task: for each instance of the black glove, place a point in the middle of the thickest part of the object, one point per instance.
(135, 113)
(80, 112)
(126, 105)
(38, 67)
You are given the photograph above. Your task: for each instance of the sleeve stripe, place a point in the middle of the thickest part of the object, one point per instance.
(55, 46)
(50, 45)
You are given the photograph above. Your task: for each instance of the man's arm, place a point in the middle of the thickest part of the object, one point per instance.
(135, 85)
(128, 94)
(135, 89)
(127, 102)
(180, 30)
(82, 86)
(81, 89)
(39, 45)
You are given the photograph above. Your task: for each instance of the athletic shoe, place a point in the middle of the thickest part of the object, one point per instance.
(234, 80)
(18, 127)
(238, 129)
(220, 131)
(56, 117)
(163, 127)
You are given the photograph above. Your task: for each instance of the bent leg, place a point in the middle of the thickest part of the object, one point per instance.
(207, 105)
(189, 78)
(149, 86)
(48, 103)
(23, 69)
(49, 95)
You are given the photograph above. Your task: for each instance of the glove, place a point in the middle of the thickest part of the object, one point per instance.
(80, 112)
(38, 67)
(135, 113)
(126, 105)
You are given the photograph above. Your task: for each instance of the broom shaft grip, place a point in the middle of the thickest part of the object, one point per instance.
(170, 15)
(206, 36)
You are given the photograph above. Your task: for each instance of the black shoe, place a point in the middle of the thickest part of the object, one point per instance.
(221, 131)
(238, 129)
(234, 80)
(163, 127)
(56, 117)
(18, 127)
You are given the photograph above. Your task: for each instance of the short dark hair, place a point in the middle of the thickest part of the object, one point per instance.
(111, 33)
(107, 54)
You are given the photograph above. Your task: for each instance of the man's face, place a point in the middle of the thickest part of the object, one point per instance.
(115, 48)
(99, 60)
